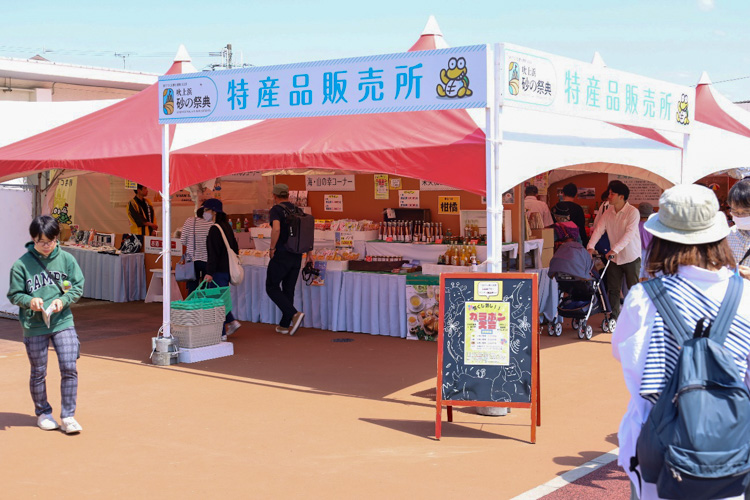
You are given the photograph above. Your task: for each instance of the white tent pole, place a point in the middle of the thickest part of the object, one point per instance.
(494, 201)
(684, 156)
(166, 240)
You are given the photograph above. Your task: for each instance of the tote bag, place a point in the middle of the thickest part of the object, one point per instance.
(236, 272)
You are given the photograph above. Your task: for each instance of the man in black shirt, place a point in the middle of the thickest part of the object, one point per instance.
(284, 267)
(141, 214)
(569, 210)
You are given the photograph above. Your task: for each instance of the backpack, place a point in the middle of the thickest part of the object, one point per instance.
(301, 230)
(696, 441)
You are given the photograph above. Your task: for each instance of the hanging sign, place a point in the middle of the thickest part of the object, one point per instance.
(329, 182)
(153, 244)
(449, 205)
(408, 81)
(333, 203)
(64, 202)
(408, 198)
(381, 187)
(545, 82)
(131, 185)
(435, 186)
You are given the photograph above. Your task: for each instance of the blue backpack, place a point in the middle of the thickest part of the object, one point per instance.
(696, 441)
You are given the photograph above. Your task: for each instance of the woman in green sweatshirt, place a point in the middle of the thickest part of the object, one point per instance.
(44, 282)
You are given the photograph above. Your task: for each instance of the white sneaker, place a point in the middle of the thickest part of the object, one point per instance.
(47, 422)
(282, 330)
(296, 322)
(232, 327)
(70, 426)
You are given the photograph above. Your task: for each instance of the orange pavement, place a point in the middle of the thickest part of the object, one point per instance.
(290, 417)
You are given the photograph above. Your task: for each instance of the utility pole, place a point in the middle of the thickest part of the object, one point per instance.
(124, 55)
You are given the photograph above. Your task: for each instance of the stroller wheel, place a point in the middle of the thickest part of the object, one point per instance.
(574, 322)
(581, 330)
(605, 325)
(612, 325)
(558, 329)
(589, 332)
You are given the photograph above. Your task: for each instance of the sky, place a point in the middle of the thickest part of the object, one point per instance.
(671, 40)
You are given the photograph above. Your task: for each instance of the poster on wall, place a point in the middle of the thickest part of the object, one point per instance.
(541, 181)
(334, 203)
(131, 185)
(449, 205)
(408, 198)
(509, 197)
(64, 203)
(586, 193)
(395, 183)
(329, 182)
(435, 186)
(640, 190)
(381, 187)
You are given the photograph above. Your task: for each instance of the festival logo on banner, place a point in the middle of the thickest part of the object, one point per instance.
(455, 83)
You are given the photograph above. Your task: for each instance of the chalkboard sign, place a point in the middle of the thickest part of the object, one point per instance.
(488, 343)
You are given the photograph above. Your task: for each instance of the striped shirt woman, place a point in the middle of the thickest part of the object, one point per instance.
(193, 237)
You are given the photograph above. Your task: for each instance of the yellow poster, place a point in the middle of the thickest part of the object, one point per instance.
(488, 290)
(449, 205)
(381, 187)
(64, 202)
(487, 333)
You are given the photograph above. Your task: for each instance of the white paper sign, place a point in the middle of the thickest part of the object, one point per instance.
(153, 245)
(334, 203)
(408, 198)
(434, 186)
(329, 182)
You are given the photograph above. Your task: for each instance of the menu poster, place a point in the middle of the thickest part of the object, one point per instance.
(334, 203)
(487, 333)
(408, 198)
(381, 187)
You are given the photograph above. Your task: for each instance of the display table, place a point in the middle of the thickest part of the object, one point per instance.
(349, 301)
(117, 278)
(428, 252)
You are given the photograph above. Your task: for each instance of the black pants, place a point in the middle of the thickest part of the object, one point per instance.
(281, 279)
(200, 272)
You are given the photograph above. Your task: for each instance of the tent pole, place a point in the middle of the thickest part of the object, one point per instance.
(494, 202)
(166, 245)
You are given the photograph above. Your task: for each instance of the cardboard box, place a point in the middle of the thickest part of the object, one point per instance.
(547, 234)
(546, 256)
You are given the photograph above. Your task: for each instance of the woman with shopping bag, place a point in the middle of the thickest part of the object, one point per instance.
(218, 243)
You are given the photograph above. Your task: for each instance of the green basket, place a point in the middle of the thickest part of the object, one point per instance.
(219, 292)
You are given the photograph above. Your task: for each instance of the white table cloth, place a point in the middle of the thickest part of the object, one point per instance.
(117, 278)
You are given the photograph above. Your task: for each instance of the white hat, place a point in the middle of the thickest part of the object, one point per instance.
(688, 214)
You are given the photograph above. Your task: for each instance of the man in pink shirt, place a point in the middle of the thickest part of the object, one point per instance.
(620, 221)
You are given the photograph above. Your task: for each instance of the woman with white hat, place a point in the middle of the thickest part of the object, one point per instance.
(690, 252)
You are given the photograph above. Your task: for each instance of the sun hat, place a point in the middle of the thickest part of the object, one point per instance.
(688, 214)
(646, 209)
(214, 205)
(281, 190)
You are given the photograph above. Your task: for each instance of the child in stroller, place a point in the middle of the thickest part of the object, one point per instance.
(581, 290)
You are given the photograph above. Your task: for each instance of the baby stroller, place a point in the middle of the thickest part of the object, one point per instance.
(581, 290)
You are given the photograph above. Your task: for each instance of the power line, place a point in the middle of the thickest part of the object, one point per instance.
(93, 53)
(732, 79)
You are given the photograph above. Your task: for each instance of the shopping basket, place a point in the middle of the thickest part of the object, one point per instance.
(216, 292)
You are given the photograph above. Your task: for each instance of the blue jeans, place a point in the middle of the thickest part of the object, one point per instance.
(68, 349)
(222, 279)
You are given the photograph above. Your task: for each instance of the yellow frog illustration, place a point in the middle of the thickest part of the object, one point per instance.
(683, 111)
(455, 82)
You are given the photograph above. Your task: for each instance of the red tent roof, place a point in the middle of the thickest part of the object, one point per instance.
(708, 110)
(122, 140)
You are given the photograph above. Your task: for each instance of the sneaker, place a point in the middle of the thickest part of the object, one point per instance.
(296, 322)
(70, 426)
(223, 338)
(232, 327)
(47, 422)
(281, 329)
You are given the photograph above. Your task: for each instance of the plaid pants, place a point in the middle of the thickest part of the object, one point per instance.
(68, 349)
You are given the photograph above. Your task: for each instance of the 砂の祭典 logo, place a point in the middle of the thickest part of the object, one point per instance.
(455, 83)
(168, 101)
(514, 78)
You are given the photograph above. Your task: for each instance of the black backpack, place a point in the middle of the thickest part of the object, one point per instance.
(301, 230)
(696, 441)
